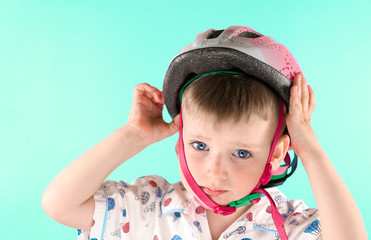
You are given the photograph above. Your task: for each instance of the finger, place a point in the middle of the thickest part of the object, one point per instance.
(297, 82)
(144, 95)
(294, 101)
(158, 99)
(145, 87)
(156, 96)
(152, 93)
(176, 122)
(162, 98)
(174, 125)
(304, 93)
(311, 100)
(140, 89)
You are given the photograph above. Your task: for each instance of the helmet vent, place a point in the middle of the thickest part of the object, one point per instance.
(214, 34)
(248, 35)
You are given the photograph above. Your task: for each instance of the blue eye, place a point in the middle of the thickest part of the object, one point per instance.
(200, 146)
(242, 154)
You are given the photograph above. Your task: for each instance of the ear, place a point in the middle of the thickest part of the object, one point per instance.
(177, 148)
(280, 151)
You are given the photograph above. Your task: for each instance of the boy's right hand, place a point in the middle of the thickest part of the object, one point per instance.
(145, 119)
(69, 198)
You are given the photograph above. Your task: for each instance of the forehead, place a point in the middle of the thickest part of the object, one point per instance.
(252, 129)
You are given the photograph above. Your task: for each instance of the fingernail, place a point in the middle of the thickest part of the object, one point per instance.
(299, 76)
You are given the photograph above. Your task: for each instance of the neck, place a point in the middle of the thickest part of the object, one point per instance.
(219, 223)
(235, 215)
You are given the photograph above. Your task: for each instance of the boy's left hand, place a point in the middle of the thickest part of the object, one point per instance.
(302, 136)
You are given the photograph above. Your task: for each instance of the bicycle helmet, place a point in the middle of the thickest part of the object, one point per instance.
(236, 50)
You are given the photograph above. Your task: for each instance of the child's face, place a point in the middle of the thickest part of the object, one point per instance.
(228, 159)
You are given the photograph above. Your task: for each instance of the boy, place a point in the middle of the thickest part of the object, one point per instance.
(226, 150)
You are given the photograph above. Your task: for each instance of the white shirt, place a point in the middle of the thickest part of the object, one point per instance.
(151, 208)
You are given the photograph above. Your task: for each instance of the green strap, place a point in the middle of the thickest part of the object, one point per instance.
(244, 201)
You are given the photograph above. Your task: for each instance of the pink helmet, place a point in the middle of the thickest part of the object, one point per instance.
(236, 48)
(239, 50)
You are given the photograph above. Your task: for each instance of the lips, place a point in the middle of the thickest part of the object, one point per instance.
(213, 192)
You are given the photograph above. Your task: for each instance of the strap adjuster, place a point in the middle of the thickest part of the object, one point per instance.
(224, 210)
(252, 198)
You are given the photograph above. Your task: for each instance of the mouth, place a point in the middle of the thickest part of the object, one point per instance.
(213, 192)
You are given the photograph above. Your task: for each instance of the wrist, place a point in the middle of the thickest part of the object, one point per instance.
(134, 136)
(313, 155)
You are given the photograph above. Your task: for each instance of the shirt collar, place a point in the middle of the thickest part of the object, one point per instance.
(177, 199)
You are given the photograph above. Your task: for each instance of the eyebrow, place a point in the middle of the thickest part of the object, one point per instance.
(234, 143)
(198, 137)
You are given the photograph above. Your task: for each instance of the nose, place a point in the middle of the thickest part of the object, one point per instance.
(216, 169)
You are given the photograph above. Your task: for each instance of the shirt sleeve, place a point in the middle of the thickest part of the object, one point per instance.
(302, 222)
(122, 210)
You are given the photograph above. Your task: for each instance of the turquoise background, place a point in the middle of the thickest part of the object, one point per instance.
(68, 68)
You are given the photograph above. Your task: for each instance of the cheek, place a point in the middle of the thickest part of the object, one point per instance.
(182, 178)
(194, 166)
(197, 171)
(195, 163)
(246, 177)
(186, 186)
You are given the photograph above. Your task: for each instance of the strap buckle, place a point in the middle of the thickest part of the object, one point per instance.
(252, 198)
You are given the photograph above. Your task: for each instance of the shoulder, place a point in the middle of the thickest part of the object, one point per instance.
(290, 207)
(143, 183)
(140, 192)
(300, 219)
(123, 208)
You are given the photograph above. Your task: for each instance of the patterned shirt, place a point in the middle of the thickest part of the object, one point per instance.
(151, 208)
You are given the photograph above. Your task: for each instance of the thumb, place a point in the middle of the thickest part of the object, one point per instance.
(174, 125)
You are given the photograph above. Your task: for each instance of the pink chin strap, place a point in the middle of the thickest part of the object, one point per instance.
(267, 174)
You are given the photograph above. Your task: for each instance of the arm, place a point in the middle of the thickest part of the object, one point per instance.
(339, 214)
(69, 197)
